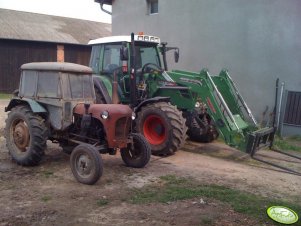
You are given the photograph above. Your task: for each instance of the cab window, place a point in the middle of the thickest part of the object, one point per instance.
(111, 58)
(81, 86)
(49, 85)
(94, 60)
(28, 83)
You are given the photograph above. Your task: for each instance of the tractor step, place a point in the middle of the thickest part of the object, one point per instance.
(259, 139)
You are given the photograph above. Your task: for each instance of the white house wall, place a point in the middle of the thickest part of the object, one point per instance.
(257, 41)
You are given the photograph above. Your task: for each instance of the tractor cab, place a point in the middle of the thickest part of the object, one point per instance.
(118, 54)
(55, 87)
(111, 53)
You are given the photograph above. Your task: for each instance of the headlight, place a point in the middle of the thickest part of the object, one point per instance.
(197, 104)
(133, 116)
(105, 115)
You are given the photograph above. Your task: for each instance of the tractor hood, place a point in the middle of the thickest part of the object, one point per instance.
(115, 118)
(115, 111)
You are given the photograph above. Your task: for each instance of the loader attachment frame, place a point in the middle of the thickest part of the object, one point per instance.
(229, 110)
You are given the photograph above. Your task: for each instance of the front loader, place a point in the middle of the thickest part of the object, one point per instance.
(227, 108)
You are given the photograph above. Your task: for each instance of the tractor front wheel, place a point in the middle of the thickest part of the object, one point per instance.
(163, 126)
(26, 136)
(86, 164)
(205, 133)
(137, 154)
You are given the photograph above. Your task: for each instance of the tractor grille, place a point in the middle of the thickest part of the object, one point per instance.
(122, 128)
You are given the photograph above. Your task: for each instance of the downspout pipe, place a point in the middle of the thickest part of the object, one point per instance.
(104, 10)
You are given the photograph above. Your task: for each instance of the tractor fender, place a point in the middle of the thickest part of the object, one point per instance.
(151, 100)
(99, 84)
(34, 106)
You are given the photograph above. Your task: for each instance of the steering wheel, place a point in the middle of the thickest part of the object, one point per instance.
(147, 68)
(110, 68)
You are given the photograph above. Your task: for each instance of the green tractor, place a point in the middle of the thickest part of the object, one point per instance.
(167, 102)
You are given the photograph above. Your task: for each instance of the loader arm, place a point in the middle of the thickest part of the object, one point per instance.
(231, 115)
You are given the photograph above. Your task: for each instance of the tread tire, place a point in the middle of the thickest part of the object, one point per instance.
(37, 133)
(174, 122)
(143, 155)
(96, 161)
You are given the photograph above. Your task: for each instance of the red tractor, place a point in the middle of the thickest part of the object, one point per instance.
(56, 101)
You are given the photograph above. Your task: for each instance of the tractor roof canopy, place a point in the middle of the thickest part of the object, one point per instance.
(57, 66)
(56, 80)
(112, 39)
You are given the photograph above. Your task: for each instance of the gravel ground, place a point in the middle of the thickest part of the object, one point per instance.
(3, 104)
(49, 195)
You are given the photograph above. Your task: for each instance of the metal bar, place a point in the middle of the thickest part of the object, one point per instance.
(284, 153)
(276, 100)
(280, 104)
(174, 87)
(222, 100)
(241, 99)
(288, 170)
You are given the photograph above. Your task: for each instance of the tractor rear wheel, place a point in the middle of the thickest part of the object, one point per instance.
(26, 136)
(163, 126)
(137, 154)
(86, 164)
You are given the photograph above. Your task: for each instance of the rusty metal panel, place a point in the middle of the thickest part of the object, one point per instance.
(292, 114)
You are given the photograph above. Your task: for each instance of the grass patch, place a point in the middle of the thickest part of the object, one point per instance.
(102, 202)
(47, 174)
(207, 221)
(46, 198)
(294, 138)
(287, 145)
(4, 96)
(174, 188)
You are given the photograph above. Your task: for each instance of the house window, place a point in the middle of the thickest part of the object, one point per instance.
(153, 6)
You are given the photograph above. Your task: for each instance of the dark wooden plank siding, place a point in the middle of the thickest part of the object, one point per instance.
(292, 114)
(14, 53)
(77, 54)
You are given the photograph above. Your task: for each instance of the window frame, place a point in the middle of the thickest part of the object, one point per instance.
(150, 4)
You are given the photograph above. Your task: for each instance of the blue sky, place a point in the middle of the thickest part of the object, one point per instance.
(81, 9)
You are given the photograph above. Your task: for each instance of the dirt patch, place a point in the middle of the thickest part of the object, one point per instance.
(49, 195)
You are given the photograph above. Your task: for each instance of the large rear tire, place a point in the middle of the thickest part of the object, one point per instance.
(86, 164)
(163, 126)
(26, 136)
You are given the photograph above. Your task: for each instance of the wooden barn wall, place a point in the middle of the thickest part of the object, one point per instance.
(14, 53)
(77, 54)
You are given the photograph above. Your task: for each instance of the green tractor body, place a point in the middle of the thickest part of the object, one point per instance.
(208, 103)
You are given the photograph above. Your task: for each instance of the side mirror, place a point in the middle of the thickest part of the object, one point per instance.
(176, 55)
(124, 53)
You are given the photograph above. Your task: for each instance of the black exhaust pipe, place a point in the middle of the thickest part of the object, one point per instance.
(133, 91)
